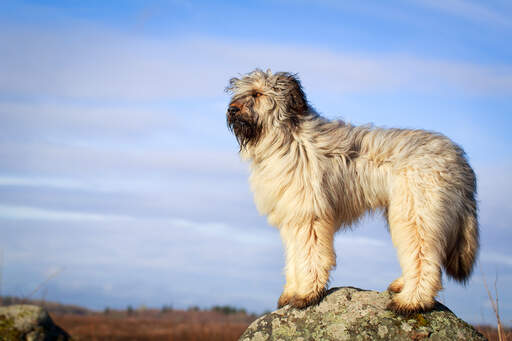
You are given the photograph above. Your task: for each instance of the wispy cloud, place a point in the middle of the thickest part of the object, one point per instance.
(32, 213)
(72, 159)
(80, 121)
(361, 241)
(497, 258)
(495, 186)
(473, 10)
(42, 182)
(131, 67)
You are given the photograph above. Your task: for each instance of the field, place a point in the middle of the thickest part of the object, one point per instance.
(155, 325)
(217, 323)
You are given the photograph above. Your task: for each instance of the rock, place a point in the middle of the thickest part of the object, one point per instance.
(29, 322)
(355, 314)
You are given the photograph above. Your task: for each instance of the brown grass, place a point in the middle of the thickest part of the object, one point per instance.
(491, 333)
(154, 325)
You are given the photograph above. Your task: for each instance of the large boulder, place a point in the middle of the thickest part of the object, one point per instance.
(354, 314)
(28, 322)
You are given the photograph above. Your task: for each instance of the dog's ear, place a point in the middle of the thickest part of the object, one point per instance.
(296, 104)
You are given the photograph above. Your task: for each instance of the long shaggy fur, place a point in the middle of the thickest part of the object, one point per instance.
(312, 176)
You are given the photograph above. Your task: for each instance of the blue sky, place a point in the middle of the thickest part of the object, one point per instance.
(120, 181)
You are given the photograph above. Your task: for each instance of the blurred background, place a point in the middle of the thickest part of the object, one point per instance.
(121, 185)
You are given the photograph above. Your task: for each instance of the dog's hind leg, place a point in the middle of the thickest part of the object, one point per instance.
(310, 258)
(397, 285)
(419, 243)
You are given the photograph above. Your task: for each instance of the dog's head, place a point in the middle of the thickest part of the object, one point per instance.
(262, 101)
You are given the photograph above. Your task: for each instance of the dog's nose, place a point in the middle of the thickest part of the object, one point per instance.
(233, 110)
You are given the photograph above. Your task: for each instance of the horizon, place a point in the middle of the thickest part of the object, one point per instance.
(120, 181)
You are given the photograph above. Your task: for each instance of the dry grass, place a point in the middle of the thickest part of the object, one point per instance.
(491, 333)
(500, 332)
(154, 325)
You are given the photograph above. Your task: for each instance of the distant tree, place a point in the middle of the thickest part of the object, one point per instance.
(129, 310)
(106, 311)
(8, 300)
(228, 310)
(167, 308)
(194, 308)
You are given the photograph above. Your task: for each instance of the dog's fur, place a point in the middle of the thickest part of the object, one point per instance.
(312, 176)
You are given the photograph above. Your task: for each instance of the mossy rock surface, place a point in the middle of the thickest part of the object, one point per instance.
(354, 314)
(28, 322)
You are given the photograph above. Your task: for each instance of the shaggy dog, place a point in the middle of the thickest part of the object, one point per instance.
(312, 176)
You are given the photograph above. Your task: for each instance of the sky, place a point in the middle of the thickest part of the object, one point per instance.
(121, 185)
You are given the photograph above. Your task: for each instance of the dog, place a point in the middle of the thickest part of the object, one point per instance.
(312, 176)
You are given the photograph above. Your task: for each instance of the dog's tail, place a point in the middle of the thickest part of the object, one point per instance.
(461, 260)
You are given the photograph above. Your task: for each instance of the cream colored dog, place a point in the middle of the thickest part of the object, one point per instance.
(312, 176)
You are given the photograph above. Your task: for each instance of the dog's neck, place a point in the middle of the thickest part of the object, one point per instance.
(305, 134)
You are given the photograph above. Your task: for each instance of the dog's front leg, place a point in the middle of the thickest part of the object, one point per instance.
(309, 259)
(291, 285)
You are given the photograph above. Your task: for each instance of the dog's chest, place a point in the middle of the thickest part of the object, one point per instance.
(282, 187)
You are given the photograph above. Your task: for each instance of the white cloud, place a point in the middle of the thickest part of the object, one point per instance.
(205, 229)
(473, 10)
(32, 213)
(79, 120)
(494, 188)
(42, 182)
(497, 258)
(360, 241)
(58, 159)
(82, 65)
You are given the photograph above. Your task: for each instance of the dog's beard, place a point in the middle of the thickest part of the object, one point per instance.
(245, 129)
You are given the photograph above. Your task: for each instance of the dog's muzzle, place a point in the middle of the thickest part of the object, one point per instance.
(232, 110)
(242, 126)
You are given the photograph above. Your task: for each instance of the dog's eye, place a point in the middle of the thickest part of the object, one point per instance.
(257, 94)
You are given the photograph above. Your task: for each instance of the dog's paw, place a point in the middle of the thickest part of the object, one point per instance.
(397, 285)
(302, 302)
(407, 309)
(284, 299)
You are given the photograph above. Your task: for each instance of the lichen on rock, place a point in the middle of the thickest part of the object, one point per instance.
(28, 322)
(354, 314)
